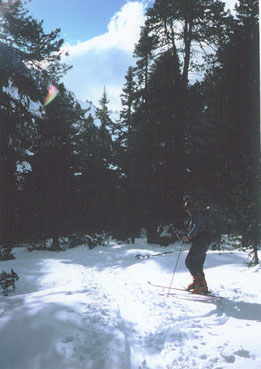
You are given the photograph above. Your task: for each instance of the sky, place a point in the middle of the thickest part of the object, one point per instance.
(100, 36)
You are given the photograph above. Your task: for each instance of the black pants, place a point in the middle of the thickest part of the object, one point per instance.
(196, 257)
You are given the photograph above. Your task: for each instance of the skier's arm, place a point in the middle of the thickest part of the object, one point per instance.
(197, 224)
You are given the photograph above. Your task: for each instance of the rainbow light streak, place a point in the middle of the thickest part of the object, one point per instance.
(52, 93)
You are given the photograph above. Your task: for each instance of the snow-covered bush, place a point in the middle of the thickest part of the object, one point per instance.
(91, 240)
(39, 245)
(231, 241)
(8, 280)
(6, 253)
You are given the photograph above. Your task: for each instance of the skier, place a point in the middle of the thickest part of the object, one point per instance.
(198, 235)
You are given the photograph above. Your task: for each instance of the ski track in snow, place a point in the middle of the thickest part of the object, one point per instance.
(93, 309)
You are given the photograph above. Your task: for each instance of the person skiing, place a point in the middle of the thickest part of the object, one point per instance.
(198, 235)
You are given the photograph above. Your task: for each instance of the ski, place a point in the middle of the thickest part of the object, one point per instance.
(171, 288)
(185, 290)
(194, 297)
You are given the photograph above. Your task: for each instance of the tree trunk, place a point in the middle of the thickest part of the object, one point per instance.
(152, 236)
(255, 258)
(55, 244)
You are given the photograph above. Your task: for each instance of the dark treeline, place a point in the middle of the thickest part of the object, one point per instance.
(61, 174)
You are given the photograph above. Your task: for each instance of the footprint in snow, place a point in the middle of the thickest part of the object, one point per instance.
(243, 353)
(229, 358)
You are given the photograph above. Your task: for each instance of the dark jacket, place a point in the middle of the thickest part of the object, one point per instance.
(198, 228)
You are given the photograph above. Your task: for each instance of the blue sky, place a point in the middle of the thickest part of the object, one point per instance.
(100, 36)
(78, 19)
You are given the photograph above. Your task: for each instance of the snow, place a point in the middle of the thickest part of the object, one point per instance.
(33, 106)
(93, 309)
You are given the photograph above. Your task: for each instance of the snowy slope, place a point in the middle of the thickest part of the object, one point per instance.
(93, 309)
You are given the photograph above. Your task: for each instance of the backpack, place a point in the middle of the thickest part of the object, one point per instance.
(213, 225)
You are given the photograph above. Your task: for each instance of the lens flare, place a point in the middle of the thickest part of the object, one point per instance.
(52, 93)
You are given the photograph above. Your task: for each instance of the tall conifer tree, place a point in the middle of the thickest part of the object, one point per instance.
(29, 58)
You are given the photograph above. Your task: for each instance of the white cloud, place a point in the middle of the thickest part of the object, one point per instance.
(230, 5)
(104, 60)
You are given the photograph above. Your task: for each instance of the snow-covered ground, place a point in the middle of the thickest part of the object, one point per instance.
(93, 309)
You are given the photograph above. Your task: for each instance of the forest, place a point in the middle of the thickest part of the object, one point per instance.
(176, 137)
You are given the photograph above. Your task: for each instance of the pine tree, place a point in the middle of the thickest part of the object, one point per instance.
(95, 180)
(106, 126)
(107, 170)
(29, 57)
(87, 199)
(51, 180)
(156, 141)
(125, 149)
(173, 32)
(128, 97)
(165, 88)
(144, 53)
(243, 71)
(228, 126)
(186, 27)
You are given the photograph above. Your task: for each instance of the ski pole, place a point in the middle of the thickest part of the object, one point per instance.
(173, 274)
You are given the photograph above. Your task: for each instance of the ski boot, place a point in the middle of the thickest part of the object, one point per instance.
(200, 286)
(195, 282)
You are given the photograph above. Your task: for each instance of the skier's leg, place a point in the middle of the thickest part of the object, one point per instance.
(194, 262)
(201, 283)
(200, 263)
(193, 258)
